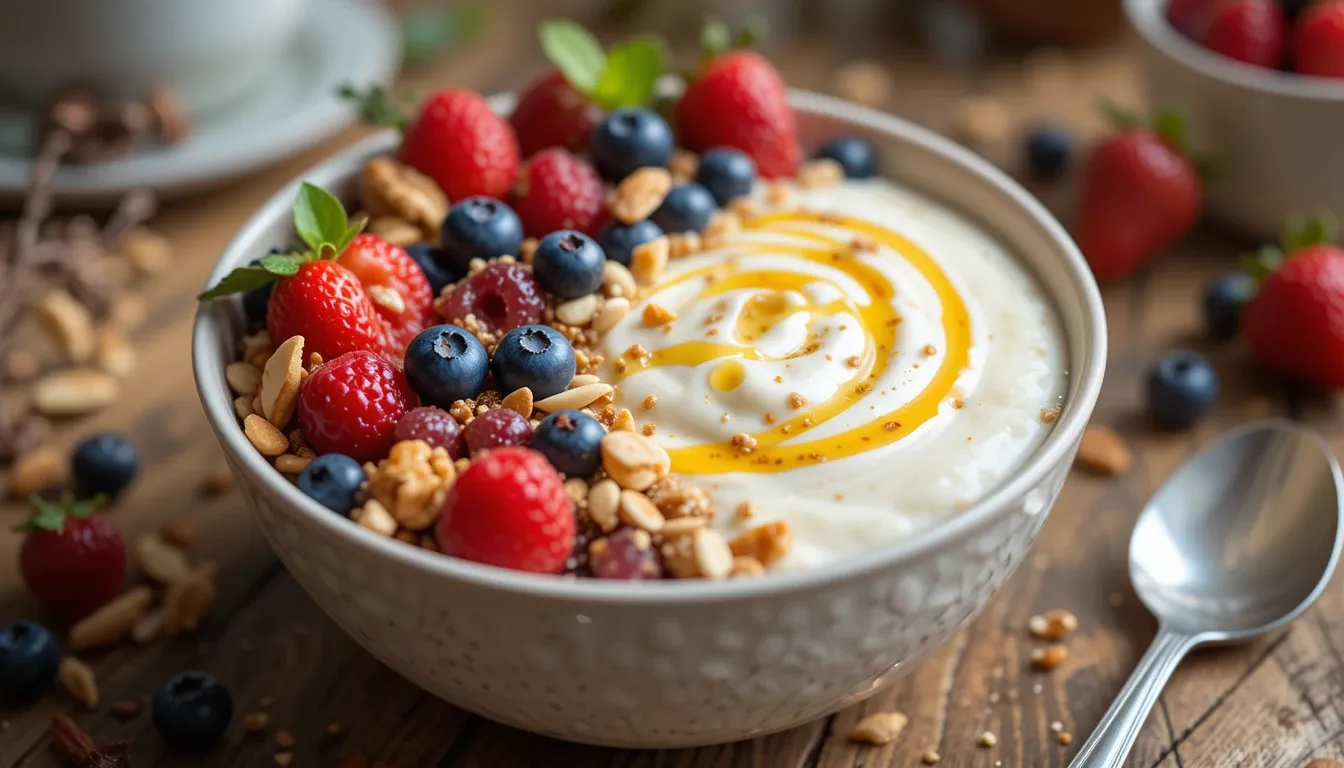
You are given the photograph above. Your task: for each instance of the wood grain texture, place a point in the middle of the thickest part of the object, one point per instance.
(1279, 702)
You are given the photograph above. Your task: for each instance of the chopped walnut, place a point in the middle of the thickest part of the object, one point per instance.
(390, 188)
(676, 498)
(767, 543)
(412, 483)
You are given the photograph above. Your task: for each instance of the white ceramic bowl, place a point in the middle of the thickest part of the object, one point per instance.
(1276, 139)
(676, 663)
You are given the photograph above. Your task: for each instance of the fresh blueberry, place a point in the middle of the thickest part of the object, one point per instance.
(571, 441)
(256, 300)
(103, 464)
(1223, 302)
(434, 264)
(853, 154)
(1182, 387)
(1049, 148)
(29, 657)
(687, 208)
(333, 480)
(479, 228)
(568, 264)
(445, 363)
(727, 173)
(536, 357)
(192, 711)
(619, 241)
(630, 138)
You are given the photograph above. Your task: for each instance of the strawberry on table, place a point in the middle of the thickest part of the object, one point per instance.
(737, 99)
(395, 284)
(314, 296)
(73, 558)
(1319, 40)
(1139, 193)
(1295, 324)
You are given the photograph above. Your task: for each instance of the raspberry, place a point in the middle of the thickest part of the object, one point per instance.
(501, 296)
(352, 404)
(497, 429)
(626, 554)
(377, 262)
(551, 113)
(434, 426)
(559, 190)
(509, 509)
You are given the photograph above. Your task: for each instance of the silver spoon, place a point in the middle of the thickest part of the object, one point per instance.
(1237, 543)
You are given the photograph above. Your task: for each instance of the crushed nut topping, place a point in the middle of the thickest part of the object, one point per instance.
(412, 483)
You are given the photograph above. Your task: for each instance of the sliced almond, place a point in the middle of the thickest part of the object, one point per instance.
(636, 509)
(713, 558)
(387, 298)
(649, 260)
(577, 312)
(1101, 450)
(617, 281)
(612, 312)
(573, 399)
(634, 461)
(243, 378)
(264, 436)
(604, 498)
(242, 406)
(70, 322)
(115, 354)
(148, 627)
(112, 621)
(75, 392)
(744, 566)
(291, 464)
(583, 380)
(519, 401)
(640, 194)
(77, 679)
(36, 471)
(375, 517)
(280, 381)
(682, 526)
(160, 560)
(187, 601)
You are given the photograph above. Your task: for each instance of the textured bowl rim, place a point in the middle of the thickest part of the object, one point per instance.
(1056, 450)
(1147, 18)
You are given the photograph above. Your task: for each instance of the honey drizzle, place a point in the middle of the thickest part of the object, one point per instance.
(877, 316)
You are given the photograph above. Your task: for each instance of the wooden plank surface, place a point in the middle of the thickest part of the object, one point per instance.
(1279, 702)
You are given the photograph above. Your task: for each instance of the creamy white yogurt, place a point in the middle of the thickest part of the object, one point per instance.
(937, 389)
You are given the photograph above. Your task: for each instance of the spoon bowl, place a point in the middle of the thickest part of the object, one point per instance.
(1243, 537)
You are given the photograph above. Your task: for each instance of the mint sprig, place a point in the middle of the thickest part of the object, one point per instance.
(622, 77)
(1170, 125)
(717, 38)
(51, 515)
(321, 223)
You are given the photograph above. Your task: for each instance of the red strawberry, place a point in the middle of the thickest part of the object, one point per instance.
(559, 190)
(739, 100)
(396, 285)
(1138, 194)
(458, 141)
(326, 305)
(1295, 324)
(552, 113)
(1250, 31)
(73, 559)
(1319, 44)
(509, 509)
(352, 404)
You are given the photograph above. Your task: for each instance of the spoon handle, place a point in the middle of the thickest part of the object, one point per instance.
(1110, 743)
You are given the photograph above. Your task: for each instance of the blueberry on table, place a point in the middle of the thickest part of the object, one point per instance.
(568, 264)
(619, 241)
(630, 138)
(29, 658)
(727, 173)
(103, 464)
(1049, 148)
(192, 711)
(687, 208)
(1223, 302)
(536, 357)
(445, 363)
(855, 156)
(571, 441)
(479, 228)
(500, 428)
(333, 480)
(433, 263)
(1182, 387)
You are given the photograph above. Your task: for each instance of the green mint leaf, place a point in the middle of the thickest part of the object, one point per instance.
(1171, 126)
(319, 219)
(282, 264)
(1263, 262)
(632, 70)
(715, 38)
(48, 516)
(240, 280)
(575, 52)
(753, 33)
(374, 106)
(1302, 231)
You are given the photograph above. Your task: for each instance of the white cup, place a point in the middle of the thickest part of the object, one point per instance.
(210, 52)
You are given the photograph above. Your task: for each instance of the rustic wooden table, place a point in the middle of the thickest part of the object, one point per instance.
(1276, 703)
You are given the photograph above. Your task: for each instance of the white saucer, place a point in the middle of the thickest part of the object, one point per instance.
(354, 41)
